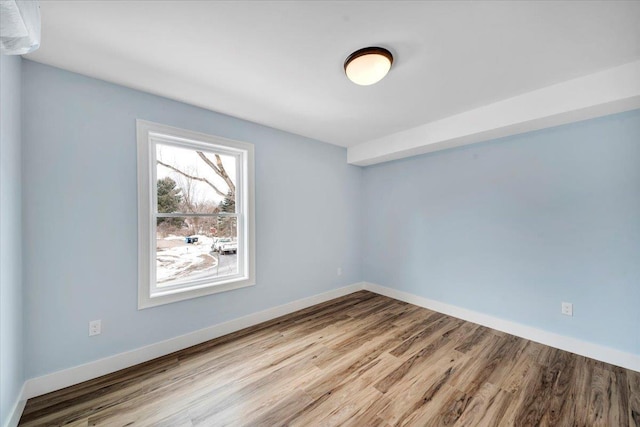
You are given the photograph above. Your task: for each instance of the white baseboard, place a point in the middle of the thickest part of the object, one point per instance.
(16, 412)
(67, 377)
(573, 345)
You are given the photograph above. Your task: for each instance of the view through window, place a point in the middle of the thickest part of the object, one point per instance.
(197, 225)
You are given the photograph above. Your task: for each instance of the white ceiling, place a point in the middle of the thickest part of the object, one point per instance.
(280, 63)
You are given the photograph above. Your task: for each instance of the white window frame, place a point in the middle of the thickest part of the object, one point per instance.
(148, 135)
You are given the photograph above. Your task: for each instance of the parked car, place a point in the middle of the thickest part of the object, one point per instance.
(228, 247)
(218, 241)
(191, 239)
(224, 245)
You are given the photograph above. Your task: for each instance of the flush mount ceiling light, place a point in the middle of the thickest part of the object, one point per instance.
(368, 66)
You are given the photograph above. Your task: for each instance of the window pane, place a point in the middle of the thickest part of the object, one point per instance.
(193, 248)
(194, 181)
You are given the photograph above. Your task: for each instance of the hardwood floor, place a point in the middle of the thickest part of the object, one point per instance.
(360, 360)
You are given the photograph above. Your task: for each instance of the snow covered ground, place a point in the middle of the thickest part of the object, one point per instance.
(176, 259)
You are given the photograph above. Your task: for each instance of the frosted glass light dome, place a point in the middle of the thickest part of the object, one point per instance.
(368, 66)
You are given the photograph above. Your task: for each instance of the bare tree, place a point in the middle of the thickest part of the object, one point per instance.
(190, 202)
(189, 192)
(217, 167)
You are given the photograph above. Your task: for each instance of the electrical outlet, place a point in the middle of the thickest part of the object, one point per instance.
(567, 309)
(95, 327)
(339, 271)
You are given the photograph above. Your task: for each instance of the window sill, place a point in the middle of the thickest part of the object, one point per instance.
(161, 298)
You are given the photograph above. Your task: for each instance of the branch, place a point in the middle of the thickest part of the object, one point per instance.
(219, 169)
(197, 178)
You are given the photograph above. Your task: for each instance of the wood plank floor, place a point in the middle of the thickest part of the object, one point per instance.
(360, 360)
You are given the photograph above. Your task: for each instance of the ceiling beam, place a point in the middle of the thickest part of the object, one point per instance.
(607, 92)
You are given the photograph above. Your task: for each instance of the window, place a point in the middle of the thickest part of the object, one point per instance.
(195, 214)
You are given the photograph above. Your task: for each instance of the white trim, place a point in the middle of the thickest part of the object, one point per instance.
(562, 342)
(18, 408)
(599, 94)
(67, 377)
(147, 133)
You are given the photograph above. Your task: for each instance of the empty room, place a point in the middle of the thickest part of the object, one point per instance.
(319, 213)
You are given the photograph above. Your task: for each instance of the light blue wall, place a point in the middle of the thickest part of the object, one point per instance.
(515, 226)
(80, 219)
(11, 324)
(510, 228)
